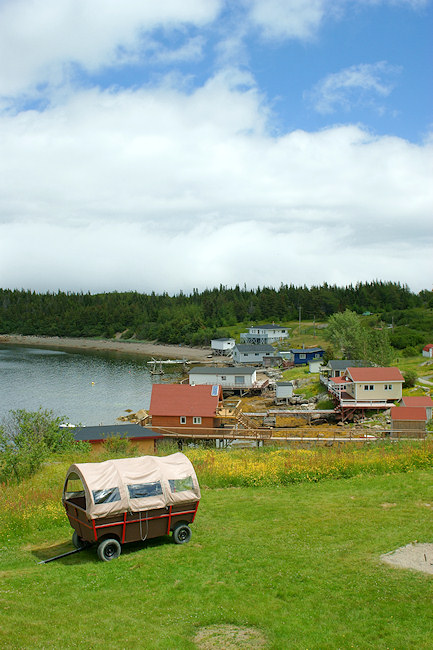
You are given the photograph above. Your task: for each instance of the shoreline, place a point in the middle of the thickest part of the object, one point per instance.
(144, 348)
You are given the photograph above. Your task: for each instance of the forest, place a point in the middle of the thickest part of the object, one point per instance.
(195, 318)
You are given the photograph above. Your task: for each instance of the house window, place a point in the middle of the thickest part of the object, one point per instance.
(369, 387)
(196, 420)
(302, 356)
(388, 386)
(182, 419)
(239, 380)
(223, 377)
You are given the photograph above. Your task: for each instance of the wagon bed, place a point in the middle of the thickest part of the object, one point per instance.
(130, 526)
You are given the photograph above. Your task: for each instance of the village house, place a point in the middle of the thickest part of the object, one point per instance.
(427, 350)
(408, 422)
(302, 356)
(264, 334)
(222, 347)
(250, 353)
(185, 408)
(371, 384)
(366, 388)
(144, 439)
(241, 379)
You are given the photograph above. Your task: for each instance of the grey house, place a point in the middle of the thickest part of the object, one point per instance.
(249, 353)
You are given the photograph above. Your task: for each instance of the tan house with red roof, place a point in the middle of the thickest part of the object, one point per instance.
(408, 422)
(367, 384)
(184, 408)
(366, 388)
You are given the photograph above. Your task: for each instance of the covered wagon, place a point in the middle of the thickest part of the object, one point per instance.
(130, 499)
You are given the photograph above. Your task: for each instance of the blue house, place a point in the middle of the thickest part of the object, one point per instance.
(301, 357)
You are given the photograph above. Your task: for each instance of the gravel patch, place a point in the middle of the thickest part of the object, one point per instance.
(416, 556)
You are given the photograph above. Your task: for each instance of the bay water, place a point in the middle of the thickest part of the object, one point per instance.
(88, 388)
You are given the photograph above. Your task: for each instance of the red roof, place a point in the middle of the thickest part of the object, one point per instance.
(183, 399)
(408, 413)
(422, 400)
(429, 346)
(339, 380)
(375, 374)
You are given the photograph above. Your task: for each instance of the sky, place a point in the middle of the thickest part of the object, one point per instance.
(173, 145)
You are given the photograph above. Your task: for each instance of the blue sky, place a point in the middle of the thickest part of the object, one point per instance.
(166, 146)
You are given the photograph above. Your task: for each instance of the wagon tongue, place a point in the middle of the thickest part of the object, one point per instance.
(57, 557)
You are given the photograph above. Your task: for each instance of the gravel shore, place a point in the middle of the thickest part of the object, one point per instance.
(130, 347)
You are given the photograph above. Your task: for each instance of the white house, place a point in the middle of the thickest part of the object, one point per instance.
(250, 353)
(229, 378)
(265, 334)
(427, 350)
(223, 347)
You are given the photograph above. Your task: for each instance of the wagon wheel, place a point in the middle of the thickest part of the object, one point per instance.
(109, 549)
(182, 534)
(78, 541)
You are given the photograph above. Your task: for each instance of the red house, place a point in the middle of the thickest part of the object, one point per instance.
(185, 408)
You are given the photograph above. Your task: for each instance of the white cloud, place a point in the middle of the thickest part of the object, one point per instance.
(166, 189)
(40, 38)
(302, 19)
(359, 85)
(286, 18)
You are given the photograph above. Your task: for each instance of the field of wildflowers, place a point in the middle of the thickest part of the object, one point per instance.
(278, 467)
(36, 502)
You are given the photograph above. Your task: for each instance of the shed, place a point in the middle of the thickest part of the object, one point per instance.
(223, 346)
(423, 401)
(144, 439)
(408, 422)
(315, 365)
(283, 391)
(427, 350)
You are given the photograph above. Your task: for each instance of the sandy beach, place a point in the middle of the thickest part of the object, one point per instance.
(129, 347)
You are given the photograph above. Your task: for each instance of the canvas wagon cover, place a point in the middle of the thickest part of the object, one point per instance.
(135, 484)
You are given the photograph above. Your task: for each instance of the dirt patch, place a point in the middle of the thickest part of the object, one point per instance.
(229, 637)
(416, 556)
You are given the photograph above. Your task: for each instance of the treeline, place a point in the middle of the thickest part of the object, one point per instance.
(195, 318)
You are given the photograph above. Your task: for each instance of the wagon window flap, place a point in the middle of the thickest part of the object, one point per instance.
(181, 484)
(108, 495)
(144, 490)
(74, 487)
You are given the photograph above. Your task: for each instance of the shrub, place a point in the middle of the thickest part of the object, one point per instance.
(27, 438)
(410, 378)
(119, 446)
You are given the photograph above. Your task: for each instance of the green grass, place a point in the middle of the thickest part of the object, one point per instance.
(300, 563)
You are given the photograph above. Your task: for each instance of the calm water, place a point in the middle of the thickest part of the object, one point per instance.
(88, 388)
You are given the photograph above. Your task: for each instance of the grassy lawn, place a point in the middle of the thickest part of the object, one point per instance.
(300, 563)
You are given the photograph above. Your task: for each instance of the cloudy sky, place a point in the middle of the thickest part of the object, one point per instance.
(162, 146)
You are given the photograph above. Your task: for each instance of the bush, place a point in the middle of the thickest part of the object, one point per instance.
(27, 438)
(119, 446)
(410, 378)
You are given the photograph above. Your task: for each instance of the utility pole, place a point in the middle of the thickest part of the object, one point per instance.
(299, 308)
